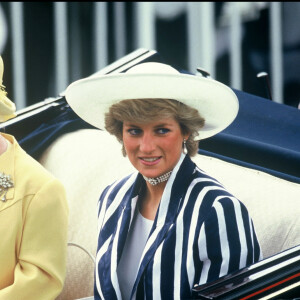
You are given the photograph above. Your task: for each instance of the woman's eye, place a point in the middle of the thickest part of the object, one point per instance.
(162, 130)
(134, 131)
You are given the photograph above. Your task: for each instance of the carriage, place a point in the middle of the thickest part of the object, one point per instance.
(257, 158)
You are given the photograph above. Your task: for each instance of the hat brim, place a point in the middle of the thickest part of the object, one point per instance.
(91, 98)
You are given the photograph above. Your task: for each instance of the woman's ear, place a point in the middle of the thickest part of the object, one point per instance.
(186, 136)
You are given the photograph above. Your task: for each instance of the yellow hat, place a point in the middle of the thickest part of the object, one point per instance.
(7, 107)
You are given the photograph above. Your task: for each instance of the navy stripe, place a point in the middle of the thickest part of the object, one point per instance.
(187, 217)
(148, 288)
(116, 190)
(207, 218)
(181, 183)
(106, 230)
(248, 230)
(257, 250)
(104, 271)
(213, 245)
(208, 202)
(233, 234)
(124, 231)
(140, 290)
(167, 265)
(102, 196)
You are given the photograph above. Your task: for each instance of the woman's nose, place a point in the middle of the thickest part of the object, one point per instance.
(147, 143)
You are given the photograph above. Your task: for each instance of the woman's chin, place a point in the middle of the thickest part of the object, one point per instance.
(153, 173)
(150, 174)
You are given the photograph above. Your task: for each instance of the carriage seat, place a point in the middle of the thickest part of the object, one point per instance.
(88, 159)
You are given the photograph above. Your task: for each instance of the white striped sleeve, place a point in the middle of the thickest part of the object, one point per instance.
(203, 255)
(242, 234)
(178, 258)
(223, 239)
(99, 255)
(114, 257)
(194, 221)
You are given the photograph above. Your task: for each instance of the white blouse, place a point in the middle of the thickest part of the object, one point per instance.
(132, 253)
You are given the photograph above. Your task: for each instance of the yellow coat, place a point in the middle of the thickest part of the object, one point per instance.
(33, 229)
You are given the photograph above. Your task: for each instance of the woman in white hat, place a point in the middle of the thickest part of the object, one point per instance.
(169, 225)
(33, 221)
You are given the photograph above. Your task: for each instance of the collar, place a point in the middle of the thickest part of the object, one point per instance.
(175, 188)
(168, 210)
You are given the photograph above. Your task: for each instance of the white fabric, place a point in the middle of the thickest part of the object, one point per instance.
(91, 97)
(132, 253)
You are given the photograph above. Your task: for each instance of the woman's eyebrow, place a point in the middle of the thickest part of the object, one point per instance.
(155, 126)
(131, 125)
(163, 125)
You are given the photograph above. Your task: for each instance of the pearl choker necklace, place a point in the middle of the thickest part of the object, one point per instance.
(159, 179)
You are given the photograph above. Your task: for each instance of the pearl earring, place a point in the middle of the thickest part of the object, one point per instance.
(185, 151)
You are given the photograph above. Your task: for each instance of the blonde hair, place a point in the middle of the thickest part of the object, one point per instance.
(145, 110)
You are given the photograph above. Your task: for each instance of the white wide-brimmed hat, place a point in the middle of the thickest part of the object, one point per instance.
(91, 98)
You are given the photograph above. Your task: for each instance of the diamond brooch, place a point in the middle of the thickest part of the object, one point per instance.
(5, 184)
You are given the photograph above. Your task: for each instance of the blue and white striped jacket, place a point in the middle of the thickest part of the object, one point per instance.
(200, 233)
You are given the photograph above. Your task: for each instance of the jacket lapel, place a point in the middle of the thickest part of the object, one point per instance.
(119, 209)
(168, 211)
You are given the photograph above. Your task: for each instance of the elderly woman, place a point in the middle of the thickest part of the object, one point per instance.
(169, 225)
(33, 221)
